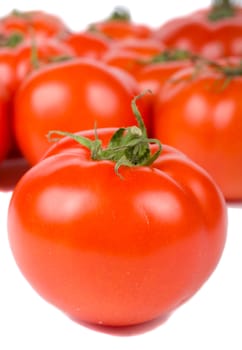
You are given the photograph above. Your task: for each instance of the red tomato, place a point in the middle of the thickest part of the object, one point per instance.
(27, 22)
(32, 54)
(8, 47)
(71, 96)
(87, 44)
(17, 62)
(7, 69)
(130, 62)
(119, 26)
(153, 75)
(144, 47)
(4, 125)
(8, 83)
(200, 114)
(132, 54)
(116, 250)
(197, 33)
(119, 30)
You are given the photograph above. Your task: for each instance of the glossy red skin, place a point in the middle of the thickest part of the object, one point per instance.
(119, 29)
(9, 82)
(71, 96)
(7, 69)
(212, 39)
(46, 49)
(16, 64)
(145, 47)
(87, 44)
(154, 75)
(5, 137)
(131, 54)
(116, 251)
(128, 61)
(201, 116)
(41, 22)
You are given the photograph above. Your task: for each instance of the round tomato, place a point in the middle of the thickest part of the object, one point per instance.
(7, 69)
(130, 62)
(9, 83)
(215, 32)
(156, 71)
(200, 114)
(18, 61)
(87, 44)
(116, 246)
(72, 96)
(28, 22)
(145, 47)
(8, 49)
(19, 56)
(5, 136)
(153, 74)
(132, 54)
(32, 54)
(119, 26)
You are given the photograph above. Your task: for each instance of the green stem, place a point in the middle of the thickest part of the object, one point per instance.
(128, 146)
(34, 59)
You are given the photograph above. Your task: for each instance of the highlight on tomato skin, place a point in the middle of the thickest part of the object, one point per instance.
(86, 44)
(71, 95)
(37, 22)
(199, 112)
(5, 133)
(213, 32)
(119, 26)
(137, 227)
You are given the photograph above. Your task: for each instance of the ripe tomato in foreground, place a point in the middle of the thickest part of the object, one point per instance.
(116, 232)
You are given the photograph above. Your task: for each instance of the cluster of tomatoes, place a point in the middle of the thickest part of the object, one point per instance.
(124, 218)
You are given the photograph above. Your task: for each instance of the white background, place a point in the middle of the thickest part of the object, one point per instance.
(212, 319)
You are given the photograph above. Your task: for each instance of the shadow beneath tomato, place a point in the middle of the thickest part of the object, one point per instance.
(234, 204)
(124, 331)
(11, 170)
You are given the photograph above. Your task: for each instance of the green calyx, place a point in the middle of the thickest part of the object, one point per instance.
(228, 70)
(21, 14)
(11, 41)
(59, 58)
(120, 14)
(128, 146)
(171, 55)
(221, 9)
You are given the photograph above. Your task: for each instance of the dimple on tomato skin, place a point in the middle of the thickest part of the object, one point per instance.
(116, 249)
